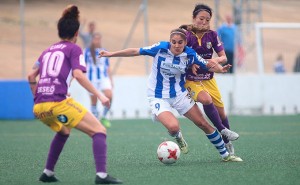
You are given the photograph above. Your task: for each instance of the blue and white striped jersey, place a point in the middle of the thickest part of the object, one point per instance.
(167, 77)
(96, 70)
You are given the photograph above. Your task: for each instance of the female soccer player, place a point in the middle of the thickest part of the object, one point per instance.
(166, 86)
(55, 68)
(98, 72)
(203, 86)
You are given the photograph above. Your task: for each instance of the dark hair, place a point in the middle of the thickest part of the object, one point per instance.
(201, 7)
(68, 24)
(93, 48)
(178, 31)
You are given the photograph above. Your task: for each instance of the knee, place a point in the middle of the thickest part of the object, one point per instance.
(64, 131)
(205, 100)
(98, 129)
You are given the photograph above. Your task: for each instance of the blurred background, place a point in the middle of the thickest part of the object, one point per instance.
(265, 80)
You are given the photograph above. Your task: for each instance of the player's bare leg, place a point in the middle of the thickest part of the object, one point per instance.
(171, 123)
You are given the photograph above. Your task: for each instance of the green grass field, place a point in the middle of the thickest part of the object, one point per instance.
(269, 146)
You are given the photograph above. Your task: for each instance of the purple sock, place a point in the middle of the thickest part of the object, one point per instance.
(225, 122)
(56, 147)
(212, 113)
(99, 149)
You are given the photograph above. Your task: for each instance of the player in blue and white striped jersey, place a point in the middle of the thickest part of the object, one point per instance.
(166, 86)
(98, 72)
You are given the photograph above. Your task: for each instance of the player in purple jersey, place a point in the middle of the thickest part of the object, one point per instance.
(166, 87)
(56, 66)
(203, 87)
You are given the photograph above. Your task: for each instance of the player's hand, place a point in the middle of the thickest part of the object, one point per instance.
(195, 68)
(226, 68)
(104, 54)
(105, 101)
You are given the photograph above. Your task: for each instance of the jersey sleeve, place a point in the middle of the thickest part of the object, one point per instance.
(216, 42)
(77, 59)
(152, 50)
(197, 59)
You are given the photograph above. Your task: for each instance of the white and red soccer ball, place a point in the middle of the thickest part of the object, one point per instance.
(168, 152)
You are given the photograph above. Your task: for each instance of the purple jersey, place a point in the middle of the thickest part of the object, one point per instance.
(204, 47)
(55, 69)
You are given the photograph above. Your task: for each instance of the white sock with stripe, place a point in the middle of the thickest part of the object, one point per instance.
(216, 139)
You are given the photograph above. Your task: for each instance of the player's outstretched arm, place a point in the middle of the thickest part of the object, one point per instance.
(129, 52)
(214, 66)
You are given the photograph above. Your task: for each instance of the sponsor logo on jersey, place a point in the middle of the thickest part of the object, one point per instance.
(56, 81)
(219, 42)
(62, 118)
(44, 80)
(46, 89)
(82, 61)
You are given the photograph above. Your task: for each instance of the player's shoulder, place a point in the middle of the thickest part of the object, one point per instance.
(164, 44)
(75, 46)
(157, 46)
(189, 51)
(212, 33)
(161, 45)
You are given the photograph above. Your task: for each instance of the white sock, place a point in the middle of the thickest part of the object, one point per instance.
(102, 175)
(49, 173)
(177, 135)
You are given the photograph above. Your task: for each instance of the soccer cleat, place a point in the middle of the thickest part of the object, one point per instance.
(182, 145)
(229, 148)
(105, 122)
(232, 158)
(229, 134)
(46, 178)
(107, 180)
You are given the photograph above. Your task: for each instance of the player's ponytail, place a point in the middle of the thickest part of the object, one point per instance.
(71, 12)
(68, 24)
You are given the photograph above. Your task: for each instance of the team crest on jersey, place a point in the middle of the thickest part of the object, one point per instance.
(62, 118)
(208, 45)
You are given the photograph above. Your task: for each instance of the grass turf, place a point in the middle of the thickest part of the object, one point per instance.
(269, 146)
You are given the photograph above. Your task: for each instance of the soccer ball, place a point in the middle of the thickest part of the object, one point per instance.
(168, 152)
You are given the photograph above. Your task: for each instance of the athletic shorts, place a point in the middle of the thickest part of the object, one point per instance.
(182, 104)
(57, 114)
(210, 86)
(102, 84)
